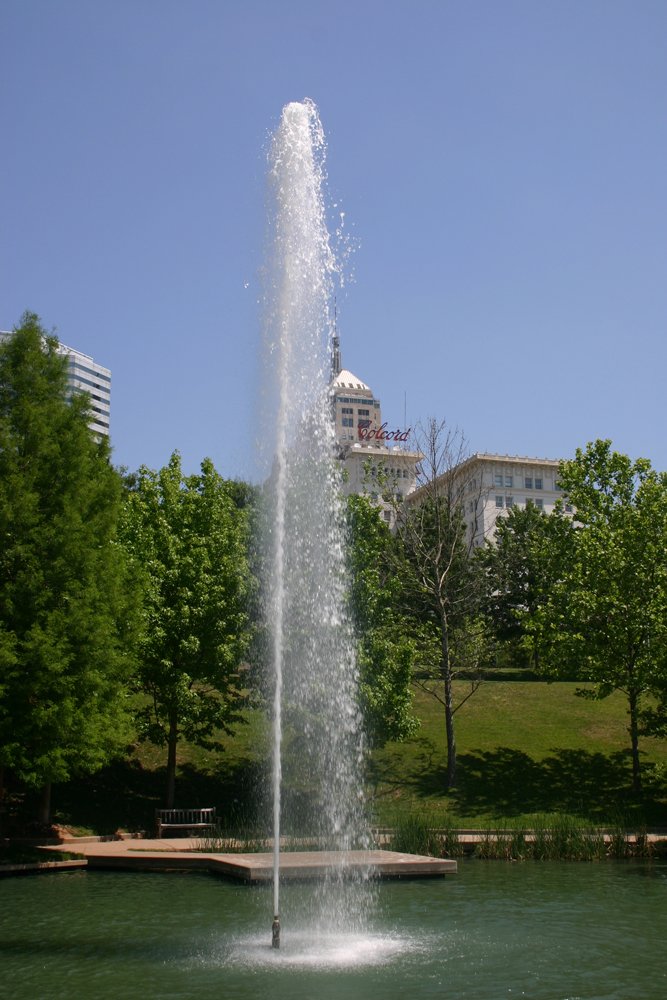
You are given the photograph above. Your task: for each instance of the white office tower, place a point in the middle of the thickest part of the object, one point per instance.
(85, 375)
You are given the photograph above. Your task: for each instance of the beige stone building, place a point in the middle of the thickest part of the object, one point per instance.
(487, 486)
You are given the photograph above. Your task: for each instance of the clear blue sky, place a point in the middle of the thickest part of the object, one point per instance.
(502, 165)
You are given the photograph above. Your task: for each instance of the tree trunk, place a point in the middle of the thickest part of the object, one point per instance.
(633, 729)
(44, 807)
(446, 669)
(2, 799)
(171, 763)
(451, 736)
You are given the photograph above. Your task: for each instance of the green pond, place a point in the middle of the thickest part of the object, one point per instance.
(550, 931)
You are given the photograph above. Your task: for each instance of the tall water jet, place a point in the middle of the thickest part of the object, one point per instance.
(317, 728)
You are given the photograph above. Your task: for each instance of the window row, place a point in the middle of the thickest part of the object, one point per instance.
(355, 399)
(395, 473)
(529, 482)
(505, 501)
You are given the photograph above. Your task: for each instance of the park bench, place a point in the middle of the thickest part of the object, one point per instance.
(185, 819)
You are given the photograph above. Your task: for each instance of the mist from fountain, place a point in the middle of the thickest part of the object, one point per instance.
(317, 742)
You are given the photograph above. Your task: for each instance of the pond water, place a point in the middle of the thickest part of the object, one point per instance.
(542, 931)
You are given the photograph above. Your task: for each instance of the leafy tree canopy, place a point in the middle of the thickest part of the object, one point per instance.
(66, 600)
(521, 566)
(189, 536)
(386, 641)
(606, 616)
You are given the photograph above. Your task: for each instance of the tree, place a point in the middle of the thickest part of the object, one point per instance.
(607, 615)
(521, 565)
(66, 599)
(189, 535)
(443, 580)
(386, 648)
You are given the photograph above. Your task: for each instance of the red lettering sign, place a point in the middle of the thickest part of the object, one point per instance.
(381, 434)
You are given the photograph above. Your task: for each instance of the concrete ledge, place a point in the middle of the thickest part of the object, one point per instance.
(35, 867)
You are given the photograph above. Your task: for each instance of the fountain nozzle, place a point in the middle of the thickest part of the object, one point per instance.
(275, 932)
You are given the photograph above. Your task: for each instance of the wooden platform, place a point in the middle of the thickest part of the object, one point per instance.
(317, 864)
(181, 855)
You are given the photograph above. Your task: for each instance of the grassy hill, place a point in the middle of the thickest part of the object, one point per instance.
(524, 747)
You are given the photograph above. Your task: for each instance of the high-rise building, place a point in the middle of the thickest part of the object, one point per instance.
(376, 459)
(85, 375)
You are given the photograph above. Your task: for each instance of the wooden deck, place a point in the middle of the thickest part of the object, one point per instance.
(182, 855)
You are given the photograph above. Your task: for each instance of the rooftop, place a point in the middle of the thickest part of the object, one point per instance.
(346, 380)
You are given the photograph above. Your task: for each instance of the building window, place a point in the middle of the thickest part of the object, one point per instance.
(538, 482)
(386, 515)
(364, 413)
(528, 482)
(568, 508)
(509, 501)
(348, 421)
(498, 480)
(539, 503)
(500, 501)
(509, 481)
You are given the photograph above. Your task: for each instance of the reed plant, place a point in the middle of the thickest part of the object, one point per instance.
(508, 844)
(413, 835)
(556, 837)
(451, 846)
(238, 833)
(561, 837)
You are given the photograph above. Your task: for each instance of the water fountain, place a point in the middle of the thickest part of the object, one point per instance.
(315, 712)
(312, 645)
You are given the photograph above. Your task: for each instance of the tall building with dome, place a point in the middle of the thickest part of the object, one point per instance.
(377, 459)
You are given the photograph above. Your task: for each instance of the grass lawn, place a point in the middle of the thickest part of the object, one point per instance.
(524, 747)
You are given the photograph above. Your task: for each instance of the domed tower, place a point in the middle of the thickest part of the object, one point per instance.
(376, 459)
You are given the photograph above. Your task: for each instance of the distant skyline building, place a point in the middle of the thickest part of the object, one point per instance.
(86, 375)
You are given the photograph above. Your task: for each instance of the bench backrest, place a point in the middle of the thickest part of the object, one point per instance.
(206, 815)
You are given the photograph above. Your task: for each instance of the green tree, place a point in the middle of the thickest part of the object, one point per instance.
(189, 535)
(386, 645)
(66, 619)
(607, 615)
(521, 566)
(442, 579)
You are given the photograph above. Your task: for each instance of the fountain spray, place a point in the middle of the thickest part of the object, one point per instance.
(314, 668)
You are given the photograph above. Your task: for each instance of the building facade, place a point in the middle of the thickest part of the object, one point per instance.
(85, 375)
(487, 486)
(377, 460)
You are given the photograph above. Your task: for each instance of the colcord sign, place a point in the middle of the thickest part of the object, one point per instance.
(381, 434)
